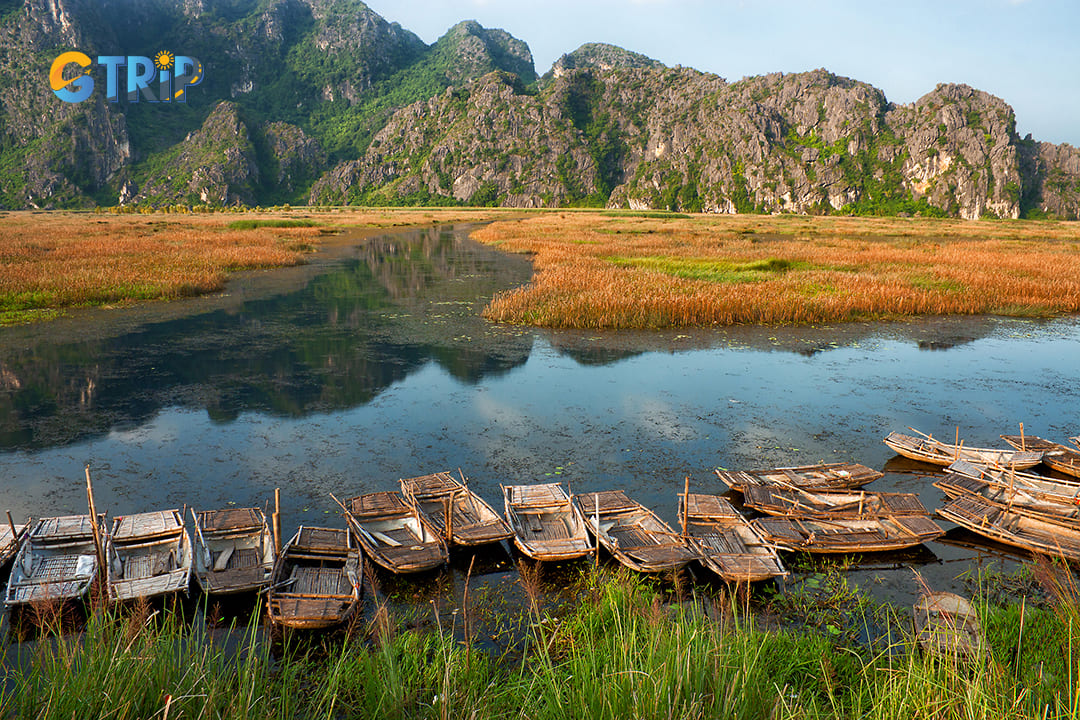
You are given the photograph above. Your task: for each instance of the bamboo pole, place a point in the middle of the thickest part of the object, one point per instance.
(1023, 442)
(276, 519)
(596, 516)
(957, 442)
(11, 524)
(94, 527)
(685, 504)
(449, 517)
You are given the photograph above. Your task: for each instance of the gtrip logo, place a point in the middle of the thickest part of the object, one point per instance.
(72, 80)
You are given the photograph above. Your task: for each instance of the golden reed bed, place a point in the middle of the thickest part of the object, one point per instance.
(50, 261)
(621, 270)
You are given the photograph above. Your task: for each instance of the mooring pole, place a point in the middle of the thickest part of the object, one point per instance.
(277, 521)
(685, 505)
(11, 524)
(94, 527)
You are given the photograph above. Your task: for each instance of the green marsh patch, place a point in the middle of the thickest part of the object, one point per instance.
(719, 271)
(935, 283)
(271, 223)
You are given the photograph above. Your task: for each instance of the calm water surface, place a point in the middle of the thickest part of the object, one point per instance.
(372, 364)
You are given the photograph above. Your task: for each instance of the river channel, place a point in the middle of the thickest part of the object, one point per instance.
(372, 363)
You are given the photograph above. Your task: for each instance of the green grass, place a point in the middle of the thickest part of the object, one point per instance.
(624, 648)
(272, 223)
(936, 283)
(718, 271)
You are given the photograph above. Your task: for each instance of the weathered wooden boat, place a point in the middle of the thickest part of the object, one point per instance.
(1012, 497)
(794, 501)
(828, 476)
(1028, 532)
(234, 550)
(148, 555)
(847, 535)
(726, 542)
(11, 539)
(632, 533)
(1065, 492)
(393, 534)
(317, 580)
(471, 520)
(946, 624)
(57, 561)
(546, 524)
(935, 452)
(1055, 455)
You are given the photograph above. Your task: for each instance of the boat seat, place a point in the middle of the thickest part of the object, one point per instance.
(223, 558)
(534, 522)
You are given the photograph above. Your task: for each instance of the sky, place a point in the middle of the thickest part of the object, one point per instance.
(1026, 52)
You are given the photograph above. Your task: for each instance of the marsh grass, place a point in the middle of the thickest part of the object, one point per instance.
(601, 271)
(52, 261)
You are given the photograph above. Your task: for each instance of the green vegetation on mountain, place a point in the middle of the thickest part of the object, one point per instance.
(324, 101)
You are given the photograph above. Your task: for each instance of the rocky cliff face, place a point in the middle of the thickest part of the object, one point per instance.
(492, 142)
(327, 101)
(644, 136)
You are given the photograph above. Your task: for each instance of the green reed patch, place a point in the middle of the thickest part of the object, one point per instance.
(718, 271)
(271, 223)
(936, 283)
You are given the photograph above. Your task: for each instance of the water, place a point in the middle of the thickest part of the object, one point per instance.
(372, 363)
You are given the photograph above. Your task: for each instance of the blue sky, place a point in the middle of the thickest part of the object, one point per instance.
(1026, 52)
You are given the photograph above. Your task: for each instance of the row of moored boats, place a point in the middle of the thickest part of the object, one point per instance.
(316, 580)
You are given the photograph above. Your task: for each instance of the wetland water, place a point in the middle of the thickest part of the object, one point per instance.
(372, 363)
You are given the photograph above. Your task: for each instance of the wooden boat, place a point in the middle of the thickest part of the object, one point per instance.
(1055, 455)
(234, 550)
(148, 554)
(317, 580)
(726, 542)
(847, 535)
(394, 535)
(983, 517)
(803, 503)
(11, 539)
(1011, 497)
(935, 452)
(546, 524)
(829, 476)
(632, 533)
(472, 521)
(57, 562)
(1075, 441)
(946, 624)
(1065, 492)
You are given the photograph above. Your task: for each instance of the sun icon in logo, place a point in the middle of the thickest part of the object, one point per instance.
(163, 60)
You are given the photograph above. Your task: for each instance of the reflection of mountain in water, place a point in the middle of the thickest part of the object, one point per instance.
(396, 304)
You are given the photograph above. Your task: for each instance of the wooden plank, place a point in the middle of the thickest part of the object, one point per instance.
(328, 539)
(231, 519)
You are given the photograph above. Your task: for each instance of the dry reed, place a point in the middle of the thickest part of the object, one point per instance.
(56, 260)
(609, 271)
